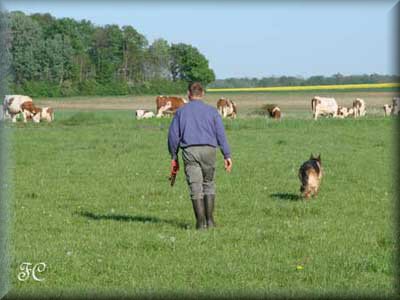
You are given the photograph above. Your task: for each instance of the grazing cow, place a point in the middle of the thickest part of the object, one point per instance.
(46, 113)
(275, 113)
(227, 108)
(31, 112)
(144, 114)
(16, 104)
(387, 108)
(175, 103)
(396, 106)
(273, 110)
(323, 106)
(359, 108)
(344, 112)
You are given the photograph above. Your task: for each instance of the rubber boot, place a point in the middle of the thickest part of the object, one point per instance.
(199, 212)
(209, 201)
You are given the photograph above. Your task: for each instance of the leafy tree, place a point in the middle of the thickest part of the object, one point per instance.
(158, 59)
(5, 55)
(81, 42)
(105, 54)
(59, 58)
(53, 56)
(188, 64)
(134, 48)
(27, 43)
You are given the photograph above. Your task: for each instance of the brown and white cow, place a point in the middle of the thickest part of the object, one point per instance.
(396, 106)
(344, 112)
(359, 107)
(323, 106)
(175, 103)
(165, 110)
(144, 114)
(227, 108)
(274, 111)
(47, 114)
(16, 104)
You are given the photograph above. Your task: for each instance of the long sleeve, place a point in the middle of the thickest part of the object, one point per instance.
(174, 137)
(221, 138)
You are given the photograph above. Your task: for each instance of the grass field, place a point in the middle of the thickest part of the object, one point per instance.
(91, 199)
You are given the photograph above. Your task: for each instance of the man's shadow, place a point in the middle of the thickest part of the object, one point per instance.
(286, 196)
(128, 218)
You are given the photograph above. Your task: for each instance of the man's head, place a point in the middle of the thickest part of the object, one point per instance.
(195, 91)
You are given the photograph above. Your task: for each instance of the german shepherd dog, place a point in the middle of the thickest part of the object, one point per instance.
(310, 175)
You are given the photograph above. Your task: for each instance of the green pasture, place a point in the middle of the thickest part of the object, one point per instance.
(91, 199)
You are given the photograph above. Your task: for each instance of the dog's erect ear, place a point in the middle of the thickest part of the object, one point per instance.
(319, 157)
(311, 156)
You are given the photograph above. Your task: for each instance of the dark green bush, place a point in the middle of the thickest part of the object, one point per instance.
(93, 88)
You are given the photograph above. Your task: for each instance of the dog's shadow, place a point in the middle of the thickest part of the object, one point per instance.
(286, 196)
(129, 218)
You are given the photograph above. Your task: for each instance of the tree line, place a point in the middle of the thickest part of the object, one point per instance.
(50, 57)
(65, 57)
(301, 81)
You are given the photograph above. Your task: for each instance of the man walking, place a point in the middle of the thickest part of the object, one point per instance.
(197, 129)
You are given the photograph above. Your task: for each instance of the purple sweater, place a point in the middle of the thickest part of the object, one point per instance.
(194, 124)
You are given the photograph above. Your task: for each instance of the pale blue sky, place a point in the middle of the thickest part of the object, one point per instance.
(254, 38)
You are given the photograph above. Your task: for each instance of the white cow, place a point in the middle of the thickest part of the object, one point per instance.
(144, 114)
(16, 104)
(323, 106)
(359, 108)
(396, 106)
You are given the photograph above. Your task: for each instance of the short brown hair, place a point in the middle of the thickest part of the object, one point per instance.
(196, 89)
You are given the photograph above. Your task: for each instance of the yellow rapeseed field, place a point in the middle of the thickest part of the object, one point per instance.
(308, 87)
